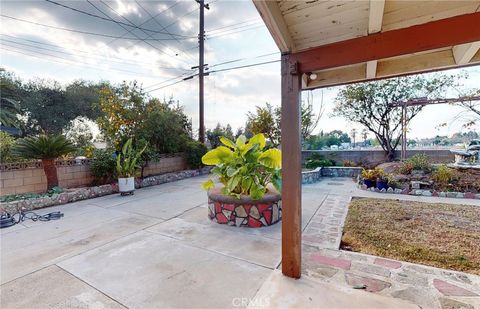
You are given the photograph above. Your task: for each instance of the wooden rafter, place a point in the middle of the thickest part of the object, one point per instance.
(464, 53)
(424, 37)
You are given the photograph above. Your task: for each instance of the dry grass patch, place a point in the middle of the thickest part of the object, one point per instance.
(440, 235)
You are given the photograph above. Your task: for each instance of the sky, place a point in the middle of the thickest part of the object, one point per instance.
(159, 52)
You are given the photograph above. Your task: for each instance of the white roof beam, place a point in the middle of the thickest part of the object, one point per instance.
(465, 52)
(273, 18)
(371, 69)
(375, 21)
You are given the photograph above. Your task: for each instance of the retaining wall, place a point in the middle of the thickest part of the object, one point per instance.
(17, 178)
(374, 157)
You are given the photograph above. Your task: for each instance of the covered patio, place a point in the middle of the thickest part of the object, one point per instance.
(327, 43)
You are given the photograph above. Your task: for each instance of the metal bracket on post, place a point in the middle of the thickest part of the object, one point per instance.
(293, 68)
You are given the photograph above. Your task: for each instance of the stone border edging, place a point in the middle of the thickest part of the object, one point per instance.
(79, 194)
(420, 192)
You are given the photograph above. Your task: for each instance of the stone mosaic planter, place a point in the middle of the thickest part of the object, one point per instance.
(244, 211)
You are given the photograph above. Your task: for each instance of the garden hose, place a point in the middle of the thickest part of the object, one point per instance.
(7, 220)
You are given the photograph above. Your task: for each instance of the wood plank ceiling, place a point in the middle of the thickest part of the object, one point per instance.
(302, 25)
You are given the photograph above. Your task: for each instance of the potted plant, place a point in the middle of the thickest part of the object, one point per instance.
(382, 179)
(127, 167)
(46, 148)
(250, 178)
(369, 177)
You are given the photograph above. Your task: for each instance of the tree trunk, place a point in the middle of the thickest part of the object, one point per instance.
(390, 154)
(51, 173)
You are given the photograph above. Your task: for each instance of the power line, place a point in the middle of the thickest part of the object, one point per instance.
(235, 24)
(163, 28)
(85, 32)
(215, 65)
(233, 32)
(244, 66)
(69, 61)
(216, 71)
(78, 50)
(91, 56)
(121, 25)
(239, 27)
(109, 19)
(241, 59)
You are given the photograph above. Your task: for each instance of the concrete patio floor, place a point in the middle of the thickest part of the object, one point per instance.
(157, 249)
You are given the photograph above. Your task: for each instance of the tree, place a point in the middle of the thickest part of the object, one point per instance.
(267, 119)
(471, 113)
(353, 134)
(371, 104)
(164, 126)
(364, 136)
(46, 148)
(335, 137)
(213, 136)
(127, 112)
(49, 108)
(79, 132)
(10, 88)
(122, 109)
(309, 118)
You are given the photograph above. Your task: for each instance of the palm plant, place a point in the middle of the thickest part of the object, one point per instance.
(46, 148)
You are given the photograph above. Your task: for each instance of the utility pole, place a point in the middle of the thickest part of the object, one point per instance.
(201, 67)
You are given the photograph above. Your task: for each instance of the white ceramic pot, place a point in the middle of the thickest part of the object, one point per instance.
(126, 184)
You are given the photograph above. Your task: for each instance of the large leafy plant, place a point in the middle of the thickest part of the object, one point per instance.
(244, 167)
(128, 160)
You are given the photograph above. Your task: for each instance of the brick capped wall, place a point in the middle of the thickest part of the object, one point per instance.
(17, 178)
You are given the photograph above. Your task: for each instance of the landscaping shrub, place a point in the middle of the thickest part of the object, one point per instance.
(373, 174)
(317, 160)
(103, 166)
(349, 163)
(406, 168)
(7, 142)
(443, 175)
(194, 152)
(392, 181)
(420, 162)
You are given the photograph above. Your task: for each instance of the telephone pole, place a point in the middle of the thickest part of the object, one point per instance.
(201, 67)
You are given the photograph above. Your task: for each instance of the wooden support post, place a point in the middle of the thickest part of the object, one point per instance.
(291, 169)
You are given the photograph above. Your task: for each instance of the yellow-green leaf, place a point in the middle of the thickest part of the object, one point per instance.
(218, 155)
(258, 139)
(271, 158)
(208, 184)
(227, 142)
(241, 140)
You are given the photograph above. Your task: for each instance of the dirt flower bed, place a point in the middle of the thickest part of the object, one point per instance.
(439, 235)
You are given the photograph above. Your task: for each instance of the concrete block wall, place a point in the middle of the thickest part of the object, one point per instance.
(165, 165)
(376, 156)
(31, 177)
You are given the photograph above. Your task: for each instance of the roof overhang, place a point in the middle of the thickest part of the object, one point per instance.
(351, 41)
